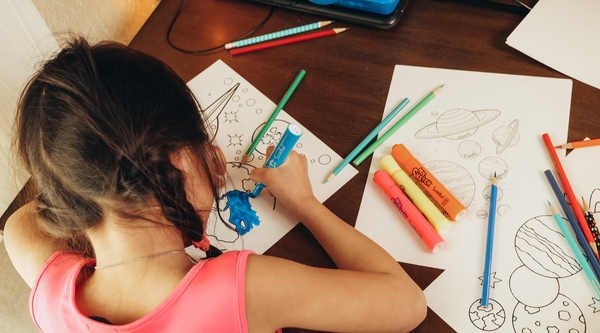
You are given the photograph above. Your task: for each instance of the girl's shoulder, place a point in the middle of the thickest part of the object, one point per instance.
(27, 245)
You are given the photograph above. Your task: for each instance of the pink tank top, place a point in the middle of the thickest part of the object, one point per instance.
(210, 298)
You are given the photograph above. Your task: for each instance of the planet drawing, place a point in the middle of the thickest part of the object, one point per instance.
(563, 315)
(532, 289)
(457, 124)
(506, 136)
(455, 178)
(469, 149)
(544, 250)
(271, 137)
(487, 318)
(490, 165)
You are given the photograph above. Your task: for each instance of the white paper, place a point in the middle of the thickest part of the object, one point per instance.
(25, 41)
(503, 118)
(564, 36)
(538, 286)
(236, 114)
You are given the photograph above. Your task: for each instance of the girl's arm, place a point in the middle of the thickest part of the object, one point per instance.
(370, 292)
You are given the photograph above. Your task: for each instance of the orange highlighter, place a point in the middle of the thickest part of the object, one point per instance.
(456, 210)
(411, 214)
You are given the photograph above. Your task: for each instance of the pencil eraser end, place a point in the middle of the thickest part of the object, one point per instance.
(383, 180)
(388, 164)
(401, 154)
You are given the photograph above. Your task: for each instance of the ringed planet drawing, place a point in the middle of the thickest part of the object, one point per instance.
(457, 124)
(506, 136)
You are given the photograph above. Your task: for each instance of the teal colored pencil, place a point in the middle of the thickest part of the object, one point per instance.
(396, 126)
(366, 140)
(274, 115)
(578, 255)
(278, 34)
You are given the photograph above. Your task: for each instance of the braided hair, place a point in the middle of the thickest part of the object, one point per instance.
(99, 123)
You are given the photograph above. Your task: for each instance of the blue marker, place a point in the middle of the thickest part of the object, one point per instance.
(281, 151)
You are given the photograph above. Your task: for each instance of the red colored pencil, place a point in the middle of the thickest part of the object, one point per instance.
(569, 190)
(287, 41)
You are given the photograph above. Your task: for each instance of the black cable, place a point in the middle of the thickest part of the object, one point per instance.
(217, 47)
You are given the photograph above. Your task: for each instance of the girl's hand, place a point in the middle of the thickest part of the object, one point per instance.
(289, 182)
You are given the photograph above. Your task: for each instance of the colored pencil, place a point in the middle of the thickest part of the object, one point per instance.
(368, 139)
(287, 41)
(487, 271)
(573, 221)
(575, 248)
(580, 144)
(274, 115)
(278, 34)
(589, 217)
(396, 126)
(569, 190)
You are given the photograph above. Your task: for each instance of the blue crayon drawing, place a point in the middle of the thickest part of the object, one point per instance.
(241, 213)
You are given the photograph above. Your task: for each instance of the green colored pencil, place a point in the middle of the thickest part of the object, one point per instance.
(396, 126)
(274, 115)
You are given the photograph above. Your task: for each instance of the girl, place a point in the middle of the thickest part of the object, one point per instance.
(125, 176)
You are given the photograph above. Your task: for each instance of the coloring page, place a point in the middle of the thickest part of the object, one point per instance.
(236, 112)
(478, 125)
(536, 284)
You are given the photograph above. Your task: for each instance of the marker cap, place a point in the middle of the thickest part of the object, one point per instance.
(389, 164)
(401, 153)
(383, 180)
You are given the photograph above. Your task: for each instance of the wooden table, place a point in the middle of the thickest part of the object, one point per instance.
(342, 97)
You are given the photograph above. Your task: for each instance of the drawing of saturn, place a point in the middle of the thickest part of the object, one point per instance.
(457, 124)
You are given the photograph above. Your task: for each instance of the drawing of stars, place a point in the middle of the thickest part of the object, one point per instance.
(595, 305)
(493, 280)
(231, 116)
(235, 140)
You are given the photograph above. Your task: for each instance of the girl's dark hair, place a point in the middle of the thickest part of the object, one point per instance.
(98, 124)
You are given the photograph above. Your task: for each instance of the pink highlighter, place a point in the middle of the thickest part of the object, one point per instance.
(411, 214)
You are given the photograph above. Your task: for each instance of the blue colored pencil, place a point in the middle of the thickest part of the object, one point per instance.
(366, 140)
(485, 298)
(580, 258)
(574, 223)
(280, 153)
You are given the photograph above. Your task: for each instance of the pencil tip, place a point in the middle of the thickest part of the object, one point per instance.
(548, 202)
(442, 86)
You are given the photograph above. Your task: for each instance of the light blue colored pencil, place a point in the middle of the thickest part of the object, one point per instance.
(396, 126)
(485, 298)
(573, 244)
(368, 139)
(278, 34)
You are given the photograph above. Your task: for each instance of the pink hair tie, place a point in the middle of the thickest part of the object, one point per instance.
(203, 244)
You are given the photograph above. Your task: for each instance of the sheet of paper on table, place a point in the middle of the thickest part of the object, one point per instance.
(236, 112)
(480, 123)
(562, 35)
(537, 284)
(25, 40)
